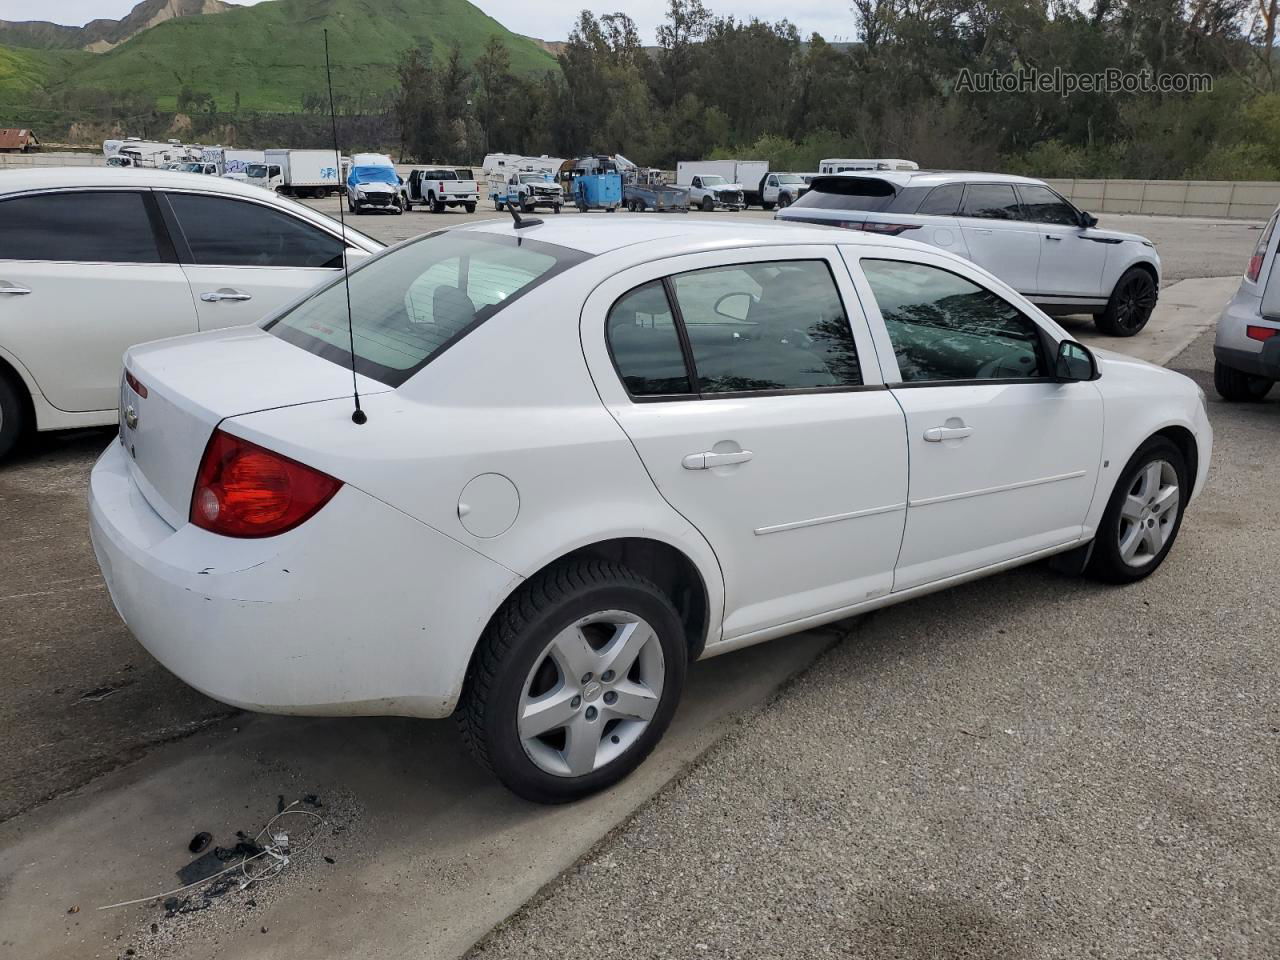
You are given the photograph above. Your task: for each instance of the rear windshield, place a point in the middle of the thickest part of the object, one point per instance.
(413, 303)
(870, 194)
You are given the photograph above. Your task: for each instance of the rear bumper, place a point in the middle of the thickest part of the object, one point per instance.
(360, 611)
(1263, 363)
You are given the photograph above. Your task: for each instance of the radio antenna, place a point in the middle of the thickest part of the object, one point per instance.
(358, 416)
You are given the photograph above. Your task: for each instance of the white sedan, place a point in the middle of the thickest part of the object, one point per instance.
(594, 453)
(95, 260)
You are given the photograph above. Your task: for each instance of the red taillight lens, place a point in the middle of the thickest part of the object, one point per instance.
(888, 229)
(1255, 267)
(244, 490)
(135, 385)
(1261, 333)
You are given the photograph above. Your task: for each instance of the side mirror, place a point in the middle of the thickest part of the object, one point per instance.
(1088, 220)
(1075, 363)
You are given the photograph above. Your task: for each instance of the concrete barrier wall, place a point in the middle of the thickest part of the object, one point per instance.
(47, 159)
(1248, 200)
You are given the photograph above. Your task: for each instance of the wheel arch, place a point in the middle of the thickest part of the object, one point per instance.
(1185, 441)
(23, 386)
(668, 566)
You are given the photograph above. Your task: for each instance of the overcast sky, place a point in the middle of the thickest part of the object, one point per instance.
(550, 21)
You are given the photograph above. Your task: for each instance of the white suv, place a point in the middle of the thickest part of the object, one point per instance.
(93, 261)
(1016, 227)
(1246, 351)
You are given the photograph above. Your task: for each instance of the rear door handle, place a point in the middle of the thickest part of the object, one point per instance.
(709, 459)
(13, 288)
(1050, 236)
(938, 434)
(225, 293)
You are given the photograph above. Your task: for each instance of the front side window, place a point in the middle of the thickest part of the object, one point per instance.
(645, 344)
(411, 304)
(237, 233)
(78, 226)
(945, 328)
(991, 201)
(1042, 205)
(767, 326)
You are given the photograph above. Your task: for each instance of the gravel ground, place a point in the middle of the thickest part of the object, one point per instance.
(1036, 766)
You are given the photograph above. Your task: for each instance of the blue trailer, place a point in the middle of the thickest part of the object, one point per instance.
(598, 191)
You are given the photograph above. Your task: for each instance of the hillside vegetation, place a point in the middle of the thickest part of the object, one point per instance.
(266, 57)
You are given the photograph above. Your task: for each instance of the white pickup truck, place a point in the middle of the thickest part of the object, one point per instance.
(441, 187)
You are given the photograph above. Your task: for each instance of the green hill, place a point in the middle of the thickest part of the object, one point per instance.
(270, 54)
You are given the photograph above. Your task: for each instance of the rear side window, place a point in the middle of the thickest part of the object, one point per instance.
(766, 326)
(221, 231)
(942, 201)
(84, 227)
(645, 344)
(869, 194)
(991, 201)
(945, 328)
(411, 304)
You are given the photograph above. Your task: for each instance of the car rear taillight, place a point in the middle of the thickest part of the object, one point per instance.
(888, 229)
(1261, 333)
(244, 490)
(1255, 268)
(135, 385)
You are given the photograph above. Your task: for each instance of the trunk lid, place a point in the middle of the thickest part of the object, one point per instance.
(193, 383)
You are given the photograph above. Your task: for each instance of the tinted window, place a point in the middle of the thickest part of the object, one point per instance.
(767, 326)
(645, 344)
(237, 233)
(943, 201)
(410, 305)
(83, 227)
(848, 193)
(1042, 205)
(991, 201)
(945, 328)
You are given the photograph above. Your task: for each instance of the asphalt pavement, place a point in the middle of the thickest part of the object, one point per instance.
(1031, 766)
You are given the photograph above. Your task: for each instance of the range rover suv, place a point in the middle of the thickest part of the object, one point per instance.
(1017, 228)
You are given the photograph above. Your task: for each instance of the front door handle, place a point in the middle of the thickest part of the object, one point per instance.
(709, 459)
(13, 288)
(225, 293)
(1050, 236)
(938, 434)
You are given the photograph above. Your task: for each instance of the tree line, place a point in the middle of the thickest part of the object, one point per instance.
(716, 85)
(721, 86)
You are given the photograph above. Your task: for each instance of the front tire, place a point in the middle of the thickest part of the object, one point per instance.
(574, 682)
(708, 204)
(1237, 386)
(1144, 514)
(13, 415)
(1130, 305)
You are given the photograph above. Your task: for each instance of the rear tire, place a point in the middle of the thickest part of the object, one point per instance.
(552, 641)
(1237, 386)
(469, 207)
(1130, 305)
(1144, 514)
(13, 415)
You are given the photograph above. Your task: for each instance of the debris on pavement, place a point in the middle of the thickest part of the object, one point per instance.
(200, 842)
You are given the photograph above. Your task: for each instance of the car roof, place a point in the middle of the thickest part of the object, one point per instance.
(38, 178)
(675, 233)
(933, 178)
(19, 180)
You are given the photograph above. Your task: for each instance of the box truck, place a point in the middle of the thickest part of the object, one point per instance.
(307, 173)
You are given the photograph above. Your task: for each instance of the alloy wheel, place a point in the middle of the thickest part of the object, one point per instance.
(1149, 513)
(1137, 298)
(591, 693)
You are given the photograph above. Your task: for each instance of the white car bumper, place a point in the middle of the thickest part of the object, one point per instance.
(359, 611)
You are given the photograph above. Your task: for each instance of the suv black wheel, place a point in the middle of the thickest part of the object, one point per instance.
(1144, 513)
(574, 682)
(1130, 305)
(1238, 386)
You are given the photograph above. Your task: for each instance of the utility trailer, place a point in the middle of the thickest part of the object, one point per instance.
(643, 188)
